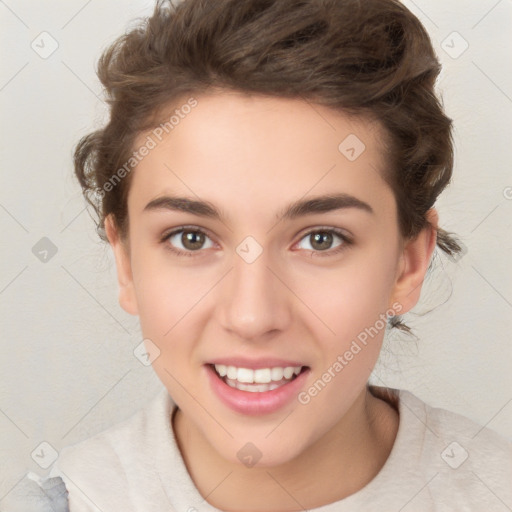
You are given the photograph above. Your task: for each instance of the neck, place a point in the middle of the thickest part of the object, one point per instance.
(339, 464)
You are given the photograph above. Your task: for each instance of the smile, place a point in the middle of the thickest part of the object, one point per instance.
(256, 391)
(259, 380)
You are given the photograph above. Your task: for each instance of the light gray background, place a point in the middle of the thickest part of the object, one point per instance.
(67, 365)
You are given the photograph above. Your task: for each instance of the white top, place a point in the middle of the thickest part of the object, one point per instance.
(440, 461)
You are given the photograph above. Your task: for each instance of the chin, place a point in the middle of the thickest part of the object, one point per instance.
(260, 452)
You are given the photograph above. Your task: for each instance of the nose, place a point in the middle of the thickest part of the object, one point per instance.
(254, 303)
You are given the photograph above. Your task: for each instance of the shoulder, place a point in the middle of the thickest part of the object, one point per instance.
(34, 494)
(466, 463)
(440, 460)
(444, 425)
(101, 472)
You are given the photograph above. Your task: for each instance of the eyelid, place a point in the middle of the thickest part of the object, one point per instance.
(341, 233)
(173, 231)
(346, 238)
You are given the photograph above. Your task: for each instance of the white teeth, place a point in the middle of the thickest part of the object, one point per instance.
(231, 372)
(288, 372)
(245, 375)
(255, 388)
(222, 369)
(259, 376)
(276, 374)
(262, 375)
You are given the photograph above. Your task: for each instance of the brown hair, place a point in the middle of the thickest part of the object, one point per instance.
(364, 57)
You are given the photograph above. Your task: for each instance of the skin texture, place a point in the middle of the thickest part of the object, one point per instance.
(251, 156)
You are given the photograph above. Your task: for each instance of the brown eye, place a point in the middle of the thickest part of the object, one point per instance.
(323, 240)
(192, 240)
(187, 241)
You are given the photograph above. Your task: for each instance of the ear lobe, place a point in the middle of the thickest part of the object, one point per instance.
(127, 297)
(414, 263)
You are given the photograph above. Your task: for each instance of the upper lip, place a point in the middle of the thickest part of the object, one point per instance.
(254, 364)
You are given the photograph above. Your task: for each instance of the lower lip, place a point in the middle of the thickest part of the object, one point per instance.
(246, 402)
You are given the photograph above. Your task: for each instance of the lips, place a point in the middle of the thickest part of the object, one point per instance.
(258, 387)
(254, 364)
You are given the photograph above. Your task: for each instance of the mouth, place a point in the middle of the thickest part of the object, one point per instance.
(259, 380)
(265, 388)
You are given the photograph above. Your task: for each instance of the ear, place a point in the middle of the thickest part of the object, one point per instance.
(413, 264)
(127, 298)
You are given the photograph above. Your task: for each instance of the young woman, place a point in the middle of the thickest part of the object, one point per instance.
(267, 182)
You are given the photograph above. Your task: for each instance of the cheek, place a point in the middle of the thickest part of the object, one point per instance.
(166, 294)
(169, 302)
(350, 298)
(353, 306)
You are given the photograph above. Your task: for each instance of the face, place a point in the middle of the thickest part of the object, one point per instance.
(240, 284)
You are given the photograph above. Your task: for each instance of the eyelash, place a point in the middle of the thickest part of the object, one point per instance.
(347, 241)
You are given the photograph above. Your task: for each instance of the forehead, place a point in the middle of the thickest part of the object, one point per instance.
(258, 151)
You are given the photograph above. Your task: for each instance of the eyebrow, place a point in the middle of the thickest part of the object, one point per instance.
(300, 208)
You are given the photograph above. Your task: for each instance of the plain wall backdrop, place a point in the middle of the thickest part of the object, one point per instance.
(67, 364)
